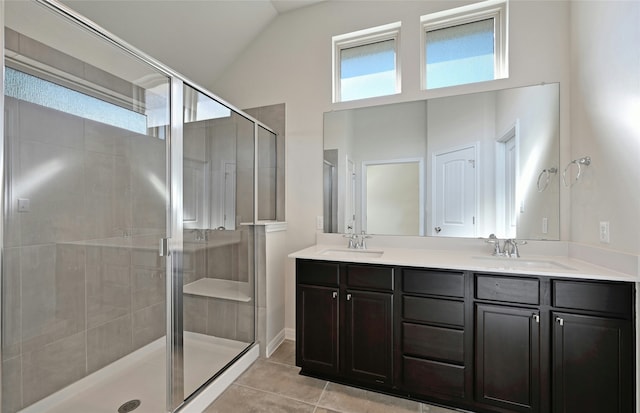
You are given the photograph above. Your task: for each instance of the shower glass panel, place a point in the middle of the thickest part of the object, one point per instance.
(218, 205)
(267, 175)
(85, 201)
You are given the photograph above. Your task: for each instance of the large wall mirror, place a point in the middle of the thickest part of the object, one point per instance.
(459, 166)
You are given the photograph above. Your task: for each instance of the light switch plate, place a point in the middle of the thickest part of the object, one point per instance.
(604, 232)
(24, 205)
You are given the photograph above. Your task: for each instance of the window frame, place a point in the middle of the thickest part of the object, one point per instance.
(491, 9)
(364, 37)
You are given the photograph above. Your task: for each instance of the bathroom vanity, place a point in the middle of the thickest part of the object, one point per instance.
(477, 333)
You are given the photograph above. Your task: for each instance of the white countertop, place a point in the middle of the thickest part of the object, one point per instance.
(466, 260)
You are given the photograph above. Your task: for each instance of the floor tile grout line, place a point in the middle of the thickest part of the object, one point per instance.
(326, 384)
(274, 394)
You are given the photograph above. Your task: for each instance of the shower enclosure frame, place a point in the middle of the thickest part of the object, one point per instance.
(172, 246)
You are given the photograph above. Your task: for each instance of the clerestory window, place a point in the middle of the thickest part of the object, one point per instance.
(366, 63)
(465, 45)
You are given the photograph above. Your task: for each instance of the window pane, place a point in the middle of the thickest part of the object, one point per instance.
(460, 54)
(32, 89)
(368, 70)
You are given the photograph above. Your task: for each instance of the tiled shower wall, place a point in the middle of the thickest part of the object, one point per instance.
(82, 281)
(70, 308)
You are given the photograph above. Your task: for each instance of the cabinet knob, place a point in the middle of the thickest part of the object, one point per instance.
(560, 321)
(348, 297)
(536, 318)
(335, 294)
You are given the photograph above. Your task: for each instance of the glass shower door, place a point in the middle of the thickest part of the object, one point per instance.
(85, 203)
(218, 205)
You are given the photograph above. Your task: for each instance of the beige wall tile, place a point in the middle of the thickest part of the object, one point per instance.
(12, 385)
(148, 325)
(108, 343)
(108, 274)
(52, 367)
(147, 287)
(11, 303)
(53, 286)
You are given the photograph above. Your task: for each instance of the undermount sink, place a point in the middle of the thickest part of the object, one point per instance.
(506, 262)
(352, 253)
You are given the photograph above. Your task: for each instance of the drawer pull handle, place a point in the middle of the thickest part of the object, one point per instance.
(348, 297)
(335, 294)
(560, 321)
(536, 318)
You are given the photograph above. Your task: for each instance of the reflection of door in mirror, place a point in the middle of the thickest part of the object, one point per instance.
(350, 207)
(392, 197)
(328, 180)
(454, 192)
(506, 179)
(195, 193)
(228, 209)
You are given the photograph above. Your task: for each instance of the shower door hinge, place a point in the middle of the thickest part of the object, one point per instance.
(164, 247)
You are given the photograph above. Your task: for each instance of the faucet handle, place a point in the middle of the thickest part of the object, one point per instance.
(514, 244)
(495, 242)
(362, 243)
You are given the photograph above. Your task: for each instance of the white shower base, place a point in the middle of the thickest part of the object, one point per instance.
(141, 375)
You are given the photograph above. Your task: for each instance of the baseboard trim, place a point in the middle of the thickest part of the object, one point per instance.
(290, 334)
(275, 343)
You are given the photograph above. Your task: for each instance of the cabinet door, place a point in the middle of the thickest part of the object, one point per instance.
(369, 336)
(317, 329)
(508, 357)
(592, 364)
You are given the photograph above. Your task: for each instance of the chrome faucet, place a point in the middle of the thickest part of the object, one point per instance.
(201, 235)
(356, 241)
(509, 247)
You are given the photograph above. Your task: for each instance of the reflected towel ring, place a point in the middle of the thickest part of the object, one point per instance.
(586, 161)
(546, 173)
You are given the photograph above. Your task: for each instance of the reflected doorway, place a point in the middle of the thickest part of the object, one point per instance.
(392, 197)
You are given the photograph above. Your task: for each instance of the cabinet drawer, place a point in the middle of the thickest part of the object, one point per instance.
(318, 273)
(508, 289)
(443, 344)
(444, 283)
(369, 276)
(425, 376)
(433, 310)
(613, 298)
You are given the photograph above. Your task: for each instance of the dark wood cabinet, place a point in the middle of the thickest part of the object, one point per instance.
(317, 332)
(369, 336)
(483, 342)
(507, 355)
(344, 325)
(592, 347)
(434, 359)
(592, 364)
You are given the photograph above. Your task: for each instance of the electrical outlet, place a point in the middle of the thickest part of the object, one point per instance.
(545, 225)
(319, 222)
(604, 232)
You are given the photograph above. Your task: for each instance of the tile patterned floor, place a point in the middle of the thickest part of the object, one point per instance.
(274, 386)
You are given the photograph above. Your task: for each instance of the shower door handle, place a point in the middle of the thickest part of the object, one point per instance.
(164, 247)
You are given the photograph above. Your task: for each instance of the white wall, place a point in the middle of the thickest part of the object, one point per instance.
(605, 121)
(291, 62)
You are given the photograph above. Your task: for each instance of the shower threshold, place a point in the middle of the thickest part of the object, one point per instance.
(141, 376)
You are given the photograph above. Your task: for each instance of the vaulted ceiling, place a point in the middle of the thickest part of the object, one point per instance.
(198, 38)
